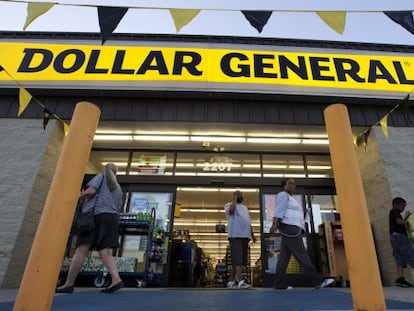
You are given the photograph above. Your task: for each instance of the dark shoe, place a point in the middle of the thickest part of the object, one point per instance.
(402, 282)
(112, 289)
(65, 290)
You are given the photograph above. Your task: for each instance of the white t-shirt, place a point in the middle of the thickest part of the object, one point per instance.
(238, 224)
(289, 210)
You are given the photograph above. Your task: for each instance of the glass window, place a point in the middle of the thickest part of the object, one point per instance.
(319, 166)
(98, 159)
(323, 209)
(283, 165)
(218, 164)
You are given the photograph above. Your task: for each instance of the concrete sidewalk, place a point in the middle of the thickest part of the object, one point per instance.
(173, 299)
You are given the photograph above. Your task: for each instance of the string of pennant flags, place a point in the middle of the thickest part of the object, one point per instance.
(403, 105)
(25, 98)
(110, 16)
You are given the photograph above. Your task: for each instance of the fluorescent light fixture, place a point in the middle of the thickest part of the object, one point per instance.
(227, 165)
(218, 139)
(197, 189)
(296, 167)
(319, 167)
(113, 137)
(312, 141)
(318, 176)
(267, 140)
(185, 174)
(276, 166)
(250, 175)
(182, 164)
(215, 133)
(285, 175)
(251, 165)
(164, 133)
(161, 138)
(240, 189)
(219, 174)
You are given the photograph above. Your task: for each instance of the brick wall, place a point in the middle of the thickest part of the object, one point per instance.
(387, 169)
(29, 156)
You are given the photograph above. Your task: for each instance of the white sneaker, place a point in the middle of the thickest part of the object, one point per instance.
(231, 284)
(326, 283)
(243, 284)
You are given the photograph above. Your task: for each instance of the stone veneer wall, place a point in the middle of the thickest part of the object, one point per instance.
(29, 156)
(387, 169)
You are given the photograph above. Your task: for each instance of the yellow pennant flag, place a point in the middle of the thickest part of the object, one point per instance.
(183, 17)
(34, 10)
(24, 100)
(65, 128)
(334, 19)
(384, 125)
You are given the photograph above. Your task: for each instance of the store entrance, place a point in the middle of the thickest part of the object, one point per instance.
(199, 248)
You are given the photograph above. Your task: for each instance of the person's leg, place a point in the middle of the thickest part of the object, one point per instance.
(400, 272)
(75, 265)
(299, 252)
(282, 263)
(109, 261)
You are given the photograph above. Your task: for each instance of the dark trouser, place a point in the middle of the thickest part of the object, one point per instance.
(293, 245)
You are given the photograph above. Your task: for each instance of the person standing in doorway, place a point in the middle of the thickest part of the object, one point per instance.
(104, 237)
(403, 249)
(240, 232)
(290, 221)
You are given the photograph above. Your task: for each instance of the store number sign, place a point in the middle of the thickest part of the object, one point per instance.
(218, 164)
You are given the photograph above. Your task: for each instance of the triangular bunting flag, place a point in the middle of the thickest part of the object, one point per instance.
(384, 125)
(403, 18)
(182, 17)
(354, 139)
(34, 10)
(366, 135)
(258, 19)
(1, 68)
(109, 18)
(46, 117)
(24, 100)
(359, 140)
(65, 128)
(335, 20)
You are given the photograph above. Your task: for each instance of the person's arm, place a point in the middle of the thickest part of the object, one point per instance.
(253, 236)
(280, 210)
(233, 205)
(92, 187)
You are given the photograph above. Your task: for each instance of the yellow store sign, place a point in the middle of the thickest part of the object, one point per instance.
(212, 68)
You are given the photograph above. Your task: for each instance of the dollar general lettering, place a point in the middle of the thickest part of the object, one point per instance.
(52, 62)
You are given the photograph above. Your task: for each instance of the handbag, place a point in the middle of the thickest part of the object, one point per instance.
(85, 222)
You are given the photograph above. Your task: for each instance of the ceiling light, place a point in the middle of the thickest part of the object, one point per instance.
(218, 139)
(238, 189)
(318, 176)
(161, 138)
(213, 133)
(219, 174)
(164, 133)
(310, 141)
(296, 167)
(197, 189)
(277, 166)
(267, 140)
(319, 167)
(185, 174)
(112, 137)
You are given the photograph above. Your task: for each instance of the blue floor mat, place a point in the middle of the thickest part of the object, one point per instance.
(208, 299)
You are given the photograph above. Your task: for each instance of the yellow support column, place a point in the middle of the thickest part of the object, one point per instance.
(366, 288)
(43, 266)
